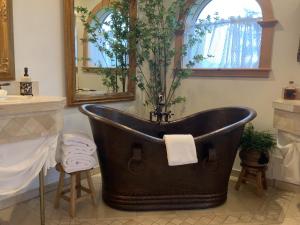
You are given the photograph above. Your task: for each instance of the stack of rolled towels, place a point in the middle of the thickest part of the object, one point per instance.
(78, 152)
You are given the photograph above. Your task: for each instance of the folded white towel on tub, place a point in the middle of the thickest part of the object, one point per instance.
(80, 149)
(79, 140)
(78, 162)
(181, 149)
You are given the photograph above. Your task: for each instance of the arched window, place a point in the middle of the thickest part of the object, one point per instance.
(239, 37)
(100, 58)
(99, 53)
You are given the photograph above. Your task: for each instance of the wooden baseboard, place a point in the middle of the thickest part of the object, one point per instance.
(21, 197)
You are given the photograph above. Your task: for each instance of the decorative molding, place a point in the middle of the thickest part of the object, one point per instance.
(7, 70)
(3, 10)
(4, 65)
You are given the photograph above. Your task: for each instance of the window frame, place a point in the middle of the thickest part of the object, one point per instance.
(268, 24)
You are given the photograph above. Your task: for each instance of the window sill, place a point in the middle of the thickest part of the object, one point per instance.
(256, 73)
(89, 69)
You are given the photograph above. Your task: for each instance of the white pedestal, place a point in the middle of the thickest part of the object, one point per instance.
(285, 162)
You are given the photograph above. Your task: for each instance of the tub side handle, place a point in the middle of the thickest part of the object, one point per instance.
(212, 155)
(211, 162)
(135, 165)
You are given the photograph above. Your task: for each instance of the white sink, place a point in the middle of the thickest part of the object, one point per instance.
(14, 98)
(17, 104)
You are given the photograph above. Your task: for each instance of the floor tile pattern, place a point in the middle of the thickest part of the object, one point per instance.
(242, 208)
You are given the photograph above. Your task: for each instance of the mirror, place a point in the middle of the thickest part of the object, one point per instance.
(7, 66)
(94, 73)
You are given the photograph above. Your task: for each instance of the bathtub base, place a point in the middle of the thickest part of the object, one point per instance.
(147, 203)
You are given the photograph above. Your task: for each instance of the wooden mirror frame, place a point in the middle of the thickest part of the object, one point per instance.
(7, 62)
(70, 66)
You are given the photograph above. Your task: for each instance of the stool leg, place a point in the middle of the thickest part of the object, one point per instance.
(91, 187)
(240, 180)
(59, 189)
(265, 184)
(78, 184)
(244, 181)
(73, 195)
(259, 183)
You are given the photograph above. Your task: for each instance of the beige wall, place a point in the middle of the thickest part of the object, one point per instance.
(38, 31)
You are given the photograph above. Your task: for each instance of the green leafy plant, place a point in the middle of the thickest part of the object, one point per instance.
(156, 31)
(152, 37)
(253, 140)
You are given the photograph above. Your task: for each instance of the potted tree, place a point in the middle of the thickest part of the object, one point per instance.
(256, 147)
(151, 36)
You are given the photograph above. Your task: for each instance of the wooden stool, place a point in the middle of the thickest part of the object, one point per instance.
(253, 174)
(75, 189)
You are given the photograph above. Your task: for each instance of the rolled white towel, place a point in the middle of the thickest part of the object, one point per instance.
(79, 149)
(78, 162)
(78, 139)
(181, 149)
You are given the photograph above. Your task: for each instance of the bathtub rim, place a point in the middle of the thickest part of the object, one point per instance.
(252, 114)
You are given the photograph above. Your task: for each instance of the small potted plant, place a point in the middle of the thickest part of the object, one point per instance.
(256, 147)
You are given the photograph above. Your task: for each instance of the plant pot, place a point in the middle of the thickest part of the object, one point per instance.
(254, 158)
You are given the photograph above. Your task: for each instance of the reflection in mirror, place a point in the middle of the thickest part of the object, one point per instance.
(102, 60)
(7, 71)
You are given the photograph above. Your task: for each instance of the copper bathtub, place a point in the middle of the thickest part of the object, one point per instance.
(133, 158)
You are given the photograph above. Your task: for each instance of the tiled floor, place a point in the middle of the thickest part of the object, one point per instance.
(241, 208)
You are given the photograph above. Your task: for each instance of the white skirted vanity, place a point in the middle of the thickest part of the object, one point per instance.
(285, 164)
(29, 132)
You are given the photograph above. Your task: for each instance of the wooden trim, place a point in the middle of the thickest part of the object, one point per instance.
(69, 40)
(96, 70)
(268, 24)
(298, 55)
(109, 98)
(261, 72)
(74, 99)
(7, 59)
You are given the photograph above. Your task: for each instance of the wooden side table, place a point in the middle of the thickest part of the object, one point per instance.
(257, 175)
(75, 189)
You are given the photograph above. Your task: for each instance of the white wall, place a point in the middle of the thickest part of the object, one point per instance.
(38, 31)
